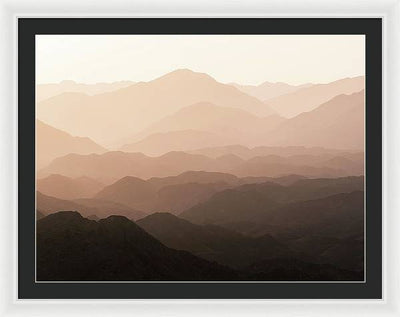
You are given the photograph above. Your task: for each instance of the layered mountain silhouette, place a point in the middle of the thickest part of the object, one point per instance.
(116, 249)
(308, 98)
(86, 206)
(198, 177)
(112, 249)
(247, 153)
(63, 187)
(328, 230)
(203, 124)
(224, 181)
(52, 143)
(176, 193)
(268, 90)
(45, 91)
(130, 191)
(212, 242)
(172, 194)
(177, 198)
(253, 202)
(160, 143)
(112, 166)
(338, 123)
(127, 111)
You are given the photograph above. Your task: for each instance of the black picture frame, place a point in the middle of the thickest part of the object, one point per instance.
(29, 27)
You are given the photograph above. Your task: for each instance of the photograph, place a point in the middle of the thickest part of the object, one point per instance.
(201, 158)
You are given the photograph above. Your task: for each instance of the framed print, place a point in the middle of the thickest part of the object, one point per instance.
(203, 158)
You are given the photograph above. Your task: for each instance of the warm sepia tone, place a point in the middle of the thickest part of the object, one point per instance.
(200, 158)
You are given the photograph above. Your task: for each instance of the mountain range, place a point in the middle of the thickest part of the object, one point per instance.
(113, 249)
(251, 201)
(52, 143)
(129, 110)
(212, 242)
(129, 195)
(337, 123)
(309, 98)
(46, 91)
(219, 125)
(268, 90)
(111, 166)
(86, 206)
(116, 249)
(184, 178)
(63, 187)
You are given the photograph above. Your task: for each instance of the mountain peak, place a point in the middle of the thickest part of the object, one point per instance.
(115, 219)
(63, 217)
(130, 180)
(185, 74)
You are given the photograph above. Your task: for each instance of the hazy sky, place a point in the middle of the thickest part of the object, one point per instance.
(245, 59)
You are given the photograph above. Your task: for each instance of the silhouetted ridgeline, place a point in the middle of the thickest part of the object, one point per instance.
(70, 247)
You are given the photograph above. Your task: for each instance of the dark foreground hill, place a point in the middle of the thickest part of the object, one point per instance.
(73, 248)
(70, 247)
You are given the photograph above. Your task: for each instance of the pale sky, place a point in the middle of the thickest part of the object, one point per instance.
(244, 59)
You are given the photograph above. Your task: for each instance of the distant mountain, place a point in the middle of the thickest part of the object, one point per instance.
(160, 143)
(247, 153)
(309, 98)
(212, 242)
(268, 90)
(105, 208)
(283, 180)
(322, 220)
(127, 111)
(87, 207)
(172, 194)
(45, 91)
(199, 177)
(253, 202)
(130, 191)
(73, 248)
(338, 216)
(338, 123)
(236, 150)
(175, 194)
(177, 198)
(67, 188)
(330, 229)
(224, 126)
(48, 204)
(327, 230)
(52, 143)
(112, 166)
(275, 166)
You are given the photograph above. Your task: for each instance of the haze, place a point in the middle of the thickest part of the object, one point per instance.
(244, 59)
